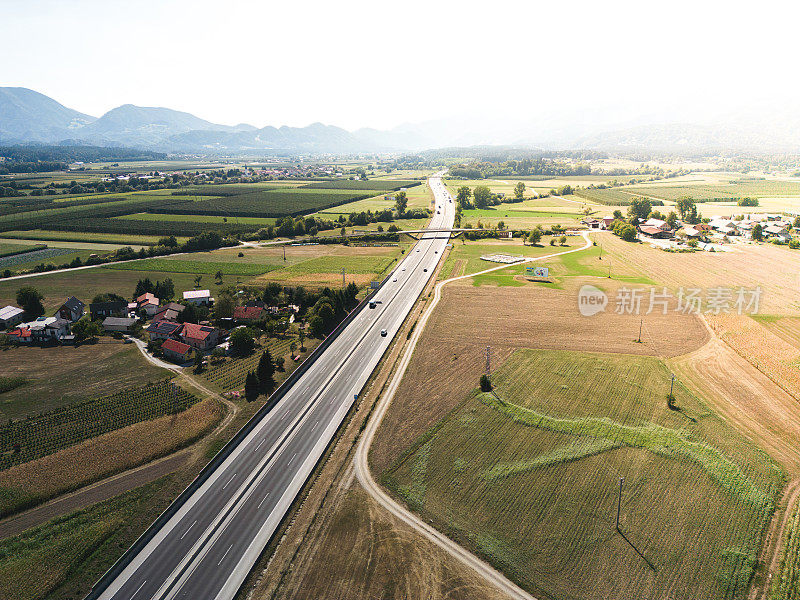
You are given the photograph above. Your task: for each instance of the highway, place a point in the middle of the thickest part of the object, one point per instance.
(208, 547)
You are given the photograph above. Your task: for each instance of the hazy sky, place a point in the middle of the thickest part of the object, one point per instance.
(379, 64)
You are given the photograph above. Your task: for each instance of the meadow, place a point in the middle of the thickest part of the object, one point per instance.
(541, 504)
(196, 267)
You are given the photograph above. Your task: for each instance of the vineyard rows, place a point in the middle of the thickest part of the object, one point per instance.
(33, 257)
(231, 374)
(385, 185)
(34, 437)
(197, 267)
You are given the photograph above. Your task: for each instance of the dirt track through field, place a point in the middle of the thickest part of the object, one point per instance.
(763, 412)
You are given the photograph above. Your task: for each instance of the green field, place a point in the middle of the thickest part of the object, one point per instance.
(529, 479)
(362, 265)
(734, 190)
(196, 267)
(260, 221)
(126, 239)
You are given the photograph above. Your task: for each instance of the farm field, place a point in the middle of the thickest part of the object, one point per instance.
(735, 189)
(516, 218)
(35, 563)
(62, 375)
(33, 482)
(85, 284)
(262, 222)
(195, 267)
(772, 268)
(321, 265)
(98, 241)
(230, 373)
(541, 505)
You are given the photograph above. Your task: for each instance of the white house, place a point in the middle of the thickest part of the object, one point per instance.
(10, 316)
(200, 297)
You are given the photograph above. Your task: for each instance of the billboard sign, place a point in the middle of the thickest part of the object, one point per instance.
(537, 271)
(374, 285)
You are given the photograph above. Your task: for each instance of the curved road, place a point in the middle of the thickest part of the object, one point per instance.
(208, 547)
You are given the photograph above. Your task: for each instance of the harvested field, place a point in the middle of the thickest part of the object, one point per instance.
(468, 319)
(524, 480)
(775, 269)
(61, 375)
(384, 559)
(33, 482)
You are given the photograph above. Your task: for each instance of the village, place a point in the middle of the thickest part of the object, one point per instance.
(167, 329)
(710, 233)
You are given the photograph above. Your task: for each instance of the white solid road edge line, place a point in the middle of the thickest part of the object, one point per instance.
(365, 476)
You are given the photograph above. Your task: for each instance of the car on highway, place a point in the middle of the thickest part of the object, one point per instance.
(372, 304)
(424, 270)
(383, 333)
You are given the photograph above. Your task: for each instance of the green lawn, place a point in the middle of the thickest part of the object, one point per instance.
(196, 267)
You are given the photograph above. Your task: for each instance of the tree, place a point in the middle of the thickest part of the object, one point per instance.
(796, 222)
(482, 196)
(301, 335)
(169, 241)
(486, 385)
(519, 190)
(618, 214)
(279, 362)
(252, 387)
(757, 233)
(400, 203)
(197, 280)
(316, 325)
(242, 341)
(108, 297)
(534, 237)
(640, 208)
(85, 329)
(30, 300)
(687, 209)
(164, 290)
(463, 194)
(292, 348)
(672, 219)
(198, 361)
(265, 370)
(562, 240)
(223, 307)
(627, 232)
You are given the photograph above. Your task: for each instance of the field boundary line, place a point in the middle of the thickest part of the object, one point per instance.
(364, 475)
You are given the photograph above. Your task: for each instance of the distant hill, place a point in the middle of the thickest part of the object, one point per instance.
(28, 116)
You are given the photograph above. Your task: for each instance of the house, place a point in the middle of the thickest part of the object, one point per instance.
(248, 313)
(720, 223)
(702, 227)
(655, 232)
(118, 323)
(20, 335)
(200, 337)
(775, 231)
(164, 330)
(113, 308)
(591, 223)
(176, 351)
(606, 222)
(692, 232)
(10, 316)
(71, 310)
(48, 329)
(147, 302)
(166, 314)
(179, 308)
(200, 297)
(657, 223)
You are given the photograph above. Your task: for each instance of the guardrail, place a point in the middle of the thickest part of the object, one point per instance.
(226, 450)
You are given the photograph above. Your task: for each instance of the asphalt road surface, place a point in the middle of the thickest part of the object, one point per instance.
(208, 547)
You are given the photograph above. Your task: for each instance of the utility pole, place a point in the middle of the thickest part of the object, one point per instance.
(488, 361)
(619, 500)
(640, 331)
(284, 252)
(670, 384)
(343, 284)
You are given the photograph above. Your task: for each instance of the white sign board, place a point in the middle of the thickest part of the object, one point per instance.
(374, 285)
(537, 271)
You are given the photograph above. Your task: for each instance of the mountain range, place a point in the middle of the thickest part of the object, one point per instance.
(27, 116)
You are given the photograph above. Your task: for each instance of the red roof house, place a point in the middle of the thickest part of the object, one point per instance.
(247, 313)
(176, 350)
(201, 337)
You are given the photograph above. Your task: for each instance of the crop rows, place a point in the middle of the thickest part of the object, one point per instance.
(34, 437)
(277, 203)
(384, 185)
(230, 375)
(732, 191)
(609, 196)
(149, 227)
(35, 256)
